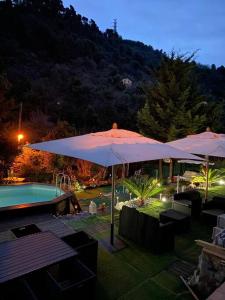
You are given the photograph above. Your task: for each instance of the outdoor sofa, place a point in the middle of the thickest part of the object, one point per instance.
(189, 203)
(212, 209)
(146, 230)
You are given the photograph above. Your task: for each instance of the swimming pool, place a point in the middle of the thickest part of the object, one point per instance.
(27, 193)
(16, 197)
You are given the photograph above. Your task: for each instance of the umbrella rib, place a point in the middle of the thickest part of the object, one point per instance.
(122, 160)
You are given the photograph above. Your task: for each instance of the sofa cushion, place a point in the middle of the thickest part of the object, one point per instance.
(194, 197)
(188, 195)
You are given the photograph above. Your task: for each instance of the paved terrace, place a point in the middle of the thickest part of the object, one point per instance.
(132, 272)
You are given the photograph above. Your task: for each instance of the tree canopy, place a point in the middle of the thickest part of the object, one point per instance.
(69, 76)
(175, 105)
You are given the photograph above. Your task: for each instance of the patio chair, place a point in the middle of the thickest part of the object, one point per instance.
(73, 280)
(17, 289)
(86, 246)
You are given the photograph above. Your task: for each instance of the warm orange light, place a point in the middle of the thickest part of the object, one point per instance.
(20, 136)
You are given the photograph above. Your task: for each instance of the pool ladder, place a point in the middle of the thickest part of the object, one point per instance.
(62, 181)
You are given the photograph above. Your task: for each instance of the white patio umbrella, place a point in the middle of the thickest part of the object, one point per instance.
(206, 143)
(111, 148)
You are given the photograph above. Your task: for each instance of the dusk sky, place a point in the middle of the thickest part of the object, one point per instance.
(182, 25)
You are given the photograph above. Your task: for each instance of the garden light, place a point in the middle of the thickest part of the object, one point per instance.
(221, 182)
(164, 199)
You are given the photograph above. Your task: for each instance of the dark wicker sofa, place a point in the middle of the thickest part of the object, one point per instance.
(212, 209)
(191, 199)
(146, 230)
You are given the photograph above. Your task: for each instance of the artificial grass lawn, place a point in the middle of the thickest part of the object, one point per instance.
(218, 190)
(155, 208)
(93, 193)
(135, 273)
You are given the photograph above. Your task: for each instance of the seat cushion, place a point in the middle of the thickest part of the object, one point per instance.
(173, 215)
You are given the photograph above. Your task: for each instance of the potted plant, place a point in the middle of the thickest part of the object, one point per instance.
(143, 187)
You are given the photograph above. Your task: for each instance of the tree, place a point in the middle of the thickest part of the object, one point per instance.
(214, 176)
(34, 165)
(8, 110)
(174, 105)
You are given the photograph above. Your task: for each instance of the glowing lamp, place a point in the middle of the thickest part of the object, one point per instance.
(20, 136)
(164, 199)
(221, 182)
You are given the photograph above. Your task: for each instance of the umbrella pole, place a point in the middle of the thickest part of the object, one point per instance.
(160, 170)
(207, 178)
(112, 207)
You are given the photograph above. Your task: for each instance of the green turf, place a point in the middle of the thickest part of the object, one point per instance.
(185, 247)
(135, 273)
(218, 190)
(170, 281)
(149, 290)
(101, 195)
(155, 207)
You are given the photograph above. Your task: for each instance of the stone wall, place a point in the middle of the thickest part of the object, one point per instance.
(210, 273)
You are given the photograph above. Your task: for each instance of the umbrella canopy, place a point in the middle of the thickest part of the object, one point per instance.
(112, 147)
(205, 143)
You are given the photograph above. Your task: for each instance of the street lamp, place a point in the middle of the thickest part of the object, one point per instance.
(20, 137)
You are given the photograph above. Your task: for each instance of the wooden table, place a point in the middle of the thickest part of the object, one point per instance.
(30, 253)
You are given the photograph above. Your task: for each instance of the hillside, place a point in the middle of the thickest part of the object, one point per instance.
(63, 68)
(60, 63)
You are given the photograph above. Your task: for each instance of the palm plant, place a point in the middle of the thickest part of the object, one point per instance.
(214, 176)
(143, 187)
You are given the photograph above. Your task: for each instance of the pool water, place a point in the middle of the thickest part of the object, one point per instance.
(27, 193)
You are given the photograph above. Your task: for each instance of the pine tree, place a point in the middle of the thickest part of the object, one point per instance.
(174, 105)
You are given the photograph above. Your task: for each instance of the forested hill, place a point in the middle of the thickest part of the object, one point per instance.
(63, 68)
(61, 64)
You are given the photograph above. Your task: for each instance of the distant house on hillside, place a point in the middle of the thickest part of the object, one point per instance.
(126, 82)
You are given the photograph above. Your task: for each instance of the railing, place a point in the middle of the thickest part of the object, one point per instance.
(62, 182)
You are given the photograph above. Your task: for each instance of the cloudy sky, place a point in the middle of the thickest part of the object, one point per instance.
(182, 25)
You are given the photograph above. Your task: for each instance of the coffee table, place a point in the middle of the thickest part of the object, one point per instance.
(181, 221)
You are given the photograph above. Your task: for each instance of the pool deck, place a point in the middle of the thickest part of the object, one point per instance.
(45, 222)
(61, 226)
